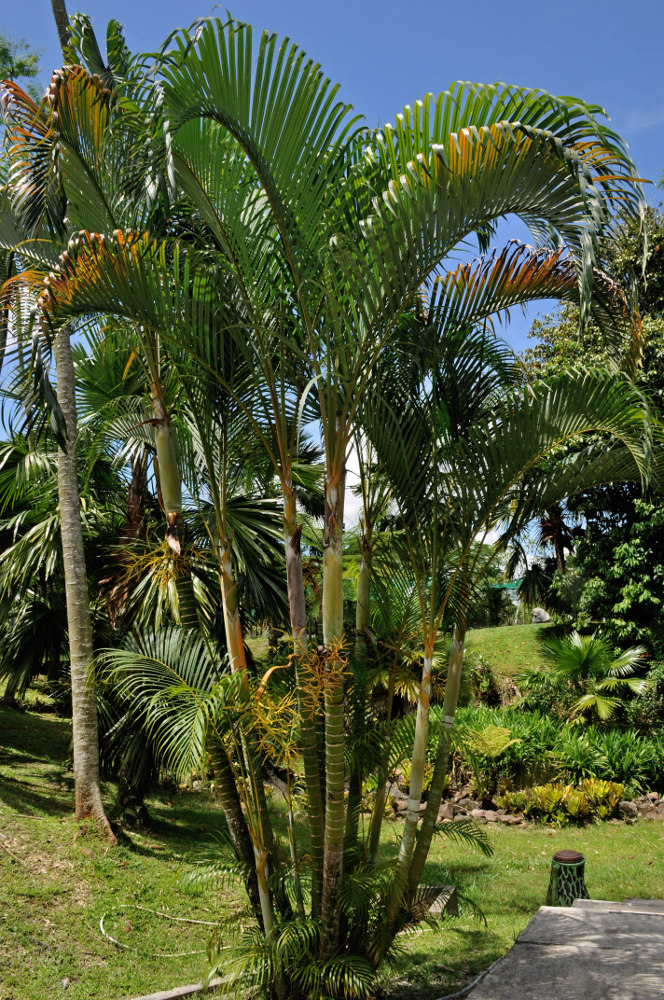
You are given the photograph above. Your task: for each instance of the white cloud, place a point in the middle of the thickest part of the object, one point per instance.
(642, 119)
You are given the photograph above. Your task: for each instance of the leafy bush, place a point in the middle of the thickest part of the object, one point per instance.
(529, 759)
(482, 678)
(647, 711)
(543, 750)
(637, 761)
(566, 803)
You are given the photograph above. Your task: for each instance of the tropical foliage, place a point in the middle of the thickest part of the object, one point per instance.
(565, 803)
(616, 575)
(586, 666)
(257, 266)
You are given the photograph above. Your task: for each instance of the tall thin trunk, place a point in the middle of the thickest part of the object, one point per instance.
(305, 692)
(378, 812)
(231, 607)
(84, 703)
(263, 837)
(359, 701)
(61, 23)
(237, 827)
(439, 777)
(560, 553)
(333, 627)
(416, 785)
(170, 495)
(118, 592)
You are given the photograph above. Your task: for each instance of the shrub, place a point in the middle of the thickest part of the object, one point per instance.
(565, 803)
(647, 711)
(483, 680)
(546, 749)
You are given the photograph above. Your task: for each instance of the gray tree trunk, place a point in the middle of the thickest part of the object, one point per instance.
(84, 703)
(61, 22)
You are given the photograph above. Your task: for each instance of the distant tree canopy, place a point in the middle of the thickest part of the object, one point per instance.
(619, 555)
(18, 61)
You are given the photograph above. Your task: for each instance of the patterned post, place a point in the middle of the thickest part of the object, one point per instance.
(566, 883)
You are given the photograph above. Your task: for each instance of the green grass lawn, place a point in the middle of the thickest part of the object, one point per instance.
(59, 878)
(510, 648)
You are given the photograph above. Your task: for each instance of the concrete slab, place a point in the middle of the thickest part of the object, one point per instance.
(583, 953)
(596, 929)
(641, 905)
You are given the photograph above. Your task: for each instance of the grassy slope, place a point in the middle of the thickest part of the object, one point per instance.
(510, 648)
(62, 878)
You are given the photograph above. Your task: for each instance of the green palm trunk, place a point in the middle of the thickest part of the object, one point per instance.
(170, 489)
(439, 778)
(362, 622)
(305, 688)
(416, 785)
(231, 607)
(334, 713)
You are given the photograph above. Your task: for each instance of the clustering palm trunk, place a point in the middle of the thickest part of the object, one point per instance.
(333, 632)
(306, 690)
(359, 695)
(416, 786)
(441, 765)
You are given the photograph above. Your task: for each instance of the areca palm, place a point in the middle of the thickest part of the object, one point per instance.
(312, 238)
(473, 483)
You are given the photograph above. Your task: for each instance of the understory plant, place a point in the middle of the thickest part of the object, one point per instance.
(545, 748)
(585, 671)
(592, 799)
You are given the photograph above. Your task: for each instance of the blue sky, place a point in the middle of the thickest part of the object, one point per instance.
(389, 54)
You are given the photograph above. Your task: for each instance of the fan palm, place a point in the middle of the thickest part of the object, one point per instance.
(588, 664)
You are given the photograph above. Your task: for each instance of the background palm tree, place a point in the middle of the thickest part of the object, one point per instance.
(588, 664)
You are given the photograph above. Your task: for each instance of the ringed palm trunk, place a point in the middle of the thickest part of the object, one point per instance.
(416, 785)
(334, 712)
(305, 689)
(450, 703)
(170, 490)
(84, 702)
(232, 623)
(261, 833)
(362, 622)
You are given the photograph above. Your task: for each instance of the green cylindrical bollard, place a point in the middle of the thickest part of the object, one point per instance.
(566, 883)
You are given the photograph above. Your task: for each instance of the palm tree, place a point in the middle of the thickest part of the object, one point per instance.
(458, 452)
(588, 664)
(324, 239)
(554, 531)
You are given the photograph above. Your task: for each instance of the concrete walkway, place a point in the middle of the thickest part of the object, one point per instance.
(594, 950)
